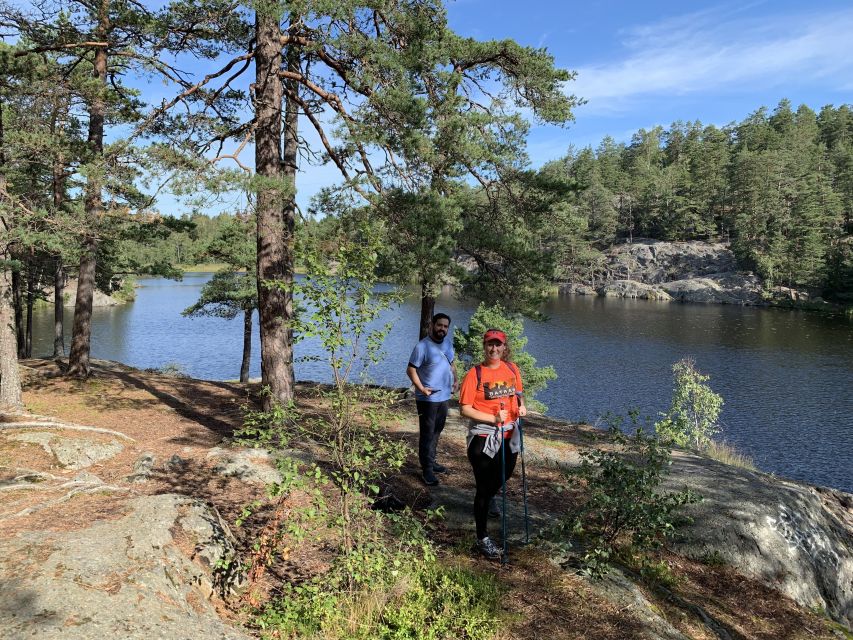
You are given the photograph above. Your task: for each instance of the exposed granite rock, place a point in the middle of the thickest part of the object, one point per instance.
(249, 465)
(142, 468)
(726, 288)
(632, 289)
(71, 453)
(655, 261)
(146, 575)
(679, 271)
(785, 534)
(99, 299)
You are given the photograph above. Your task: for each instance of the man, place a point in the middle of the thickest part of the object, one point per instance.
(431, 371)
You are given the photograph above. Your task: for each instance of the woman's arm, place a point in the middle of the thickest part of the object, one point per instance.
(468, 411)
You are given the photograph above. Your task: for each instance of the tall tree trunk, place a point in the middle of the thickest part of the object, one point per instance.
(427, 308)
(81, 336)
(247, 345)
(18, 304)
(31, 295)
(58, 272)
(10, 375)
(58, 309)
(275, 210)
(81, 330)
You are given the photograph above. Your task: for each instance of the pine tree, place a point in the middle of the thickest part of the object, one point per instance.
(234, 290)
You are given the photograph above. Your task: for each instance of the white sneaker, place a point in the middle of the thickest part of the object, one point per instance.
(488, 549)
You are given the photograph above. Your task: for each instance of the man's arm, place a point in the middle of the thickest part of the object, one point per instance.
(412, 372)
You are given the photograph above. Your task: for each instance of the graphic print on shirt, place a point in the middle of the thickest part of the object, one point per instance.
(498, 389)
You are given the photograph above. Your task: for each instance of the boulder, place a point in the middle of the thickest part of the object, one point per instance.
(142, 468)
(250, 465)
(147, 574)
(785, 534)
(632, 289)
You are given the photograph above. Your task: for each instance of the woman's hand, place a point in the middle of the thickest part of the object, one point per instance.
(522, 411)
(501, 416)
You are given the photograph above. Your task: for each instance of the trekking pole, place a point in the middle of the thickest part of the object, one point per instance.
(503, 484)
(524, 484)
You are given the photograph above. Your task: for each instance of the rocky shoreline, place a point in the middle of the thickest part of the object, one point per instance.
(118, 527)
(685, 272)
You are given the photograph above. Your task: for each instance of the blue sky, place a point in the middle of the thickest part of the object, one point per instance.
(641, 64)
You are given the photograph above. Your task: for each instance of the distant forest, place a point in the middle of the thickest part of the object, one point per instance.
(778, 186)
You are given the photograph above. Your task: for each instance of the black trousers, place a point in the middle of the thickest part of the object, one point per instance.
(488, 476)
(431, 419)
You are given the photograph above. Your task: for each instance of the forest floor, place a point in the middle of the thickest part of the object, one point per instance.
(167, 416)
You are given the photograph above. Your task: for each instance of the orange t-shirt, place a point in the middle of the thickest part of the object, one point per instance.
(496, 386)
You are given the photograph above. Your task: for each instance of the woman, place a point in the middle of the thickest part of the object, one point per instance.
(491, 398)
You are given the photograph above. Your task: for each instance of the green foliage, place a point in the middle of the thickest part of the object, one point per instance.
(624, 509)
(384, 580)
(692, 416)
(403, 596)
(469, 349)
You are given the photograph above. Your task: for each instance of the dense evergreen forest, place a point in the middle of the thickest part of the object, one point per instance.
(777, 185)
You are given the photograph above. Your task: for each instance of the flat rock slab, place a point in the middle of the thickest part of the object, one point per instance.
(143, 576)
(71, 453)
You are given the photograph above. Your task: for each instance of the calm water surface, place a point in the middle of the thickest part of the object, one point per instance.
(786, 376)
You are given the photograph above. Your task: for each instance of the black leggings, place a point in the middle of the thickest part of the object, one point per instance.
(487, 473)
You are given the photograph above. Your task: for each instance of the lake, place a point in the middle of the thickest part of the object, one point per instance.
(786, 376)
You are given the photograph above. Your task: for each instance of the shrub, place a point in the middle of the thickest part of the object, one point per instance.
(624, 506)
(693, 413)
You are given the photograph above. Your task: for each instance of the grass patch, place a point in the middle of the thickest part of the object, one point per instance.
(727, 454)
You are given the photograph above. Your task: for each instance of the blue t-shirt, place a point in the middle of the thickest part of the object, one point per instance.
(433, 361)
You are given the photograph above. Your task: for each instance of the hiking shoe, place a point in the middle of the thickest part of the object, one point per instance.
(429, 479)
(494, 509)
(438, 468)
(488, 549)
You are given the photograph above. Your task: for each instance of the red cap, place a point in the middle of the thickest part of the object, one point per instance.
(494, 334)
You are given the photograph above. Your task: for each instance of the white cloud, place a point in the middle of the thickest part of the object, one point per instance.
(711, 51)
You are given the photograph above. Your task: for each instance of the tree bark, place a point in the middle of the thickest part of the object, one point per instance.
(58, 309)
(81, 338)
(59, 177)
(81, 330)
(10, 375)
(275, 210)
(31, 294)
(18, 305)
(427, 309)
(247, 345)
